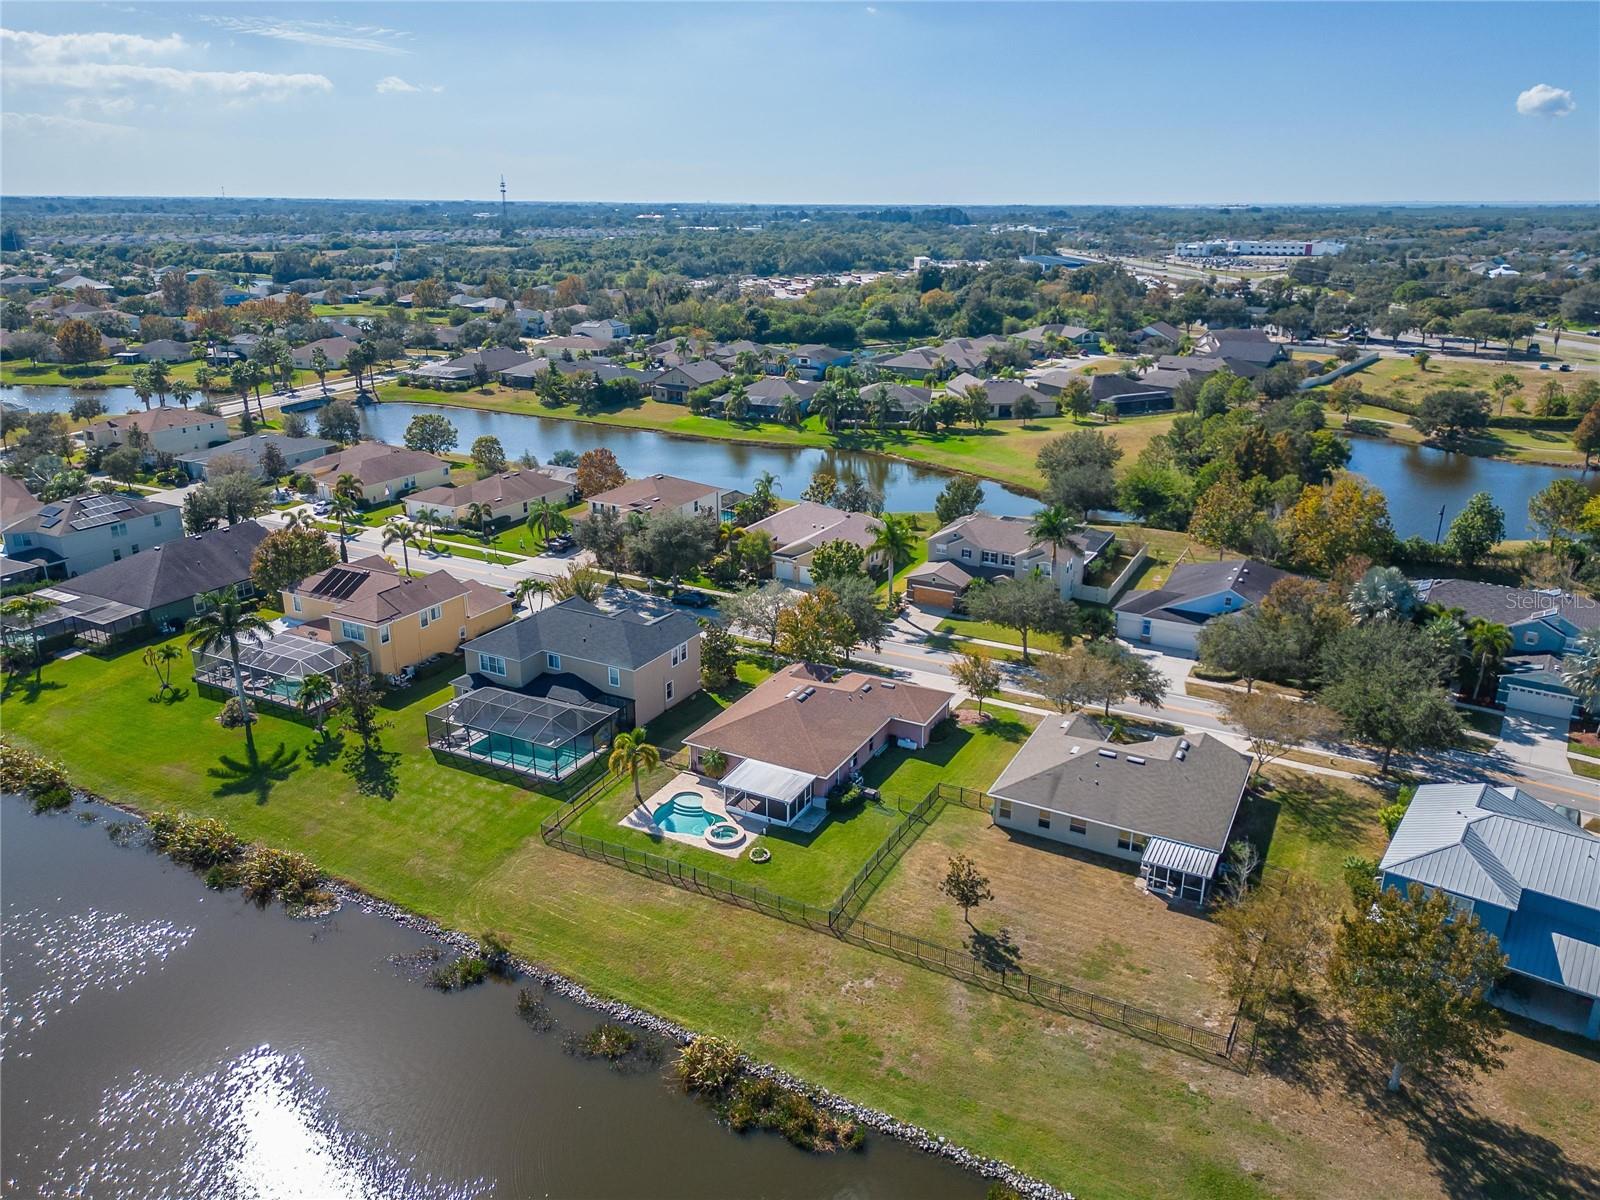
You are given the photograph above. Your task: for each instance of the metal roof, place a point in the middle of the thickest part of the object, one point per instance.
(536, 720)
(767, 780)
(1180, 856)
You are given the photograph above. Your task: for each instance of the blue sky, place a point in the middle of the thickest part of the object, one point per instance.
(821, 103)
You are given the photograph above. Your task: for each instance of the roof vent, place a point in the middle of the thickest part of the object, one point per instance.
(887, 684)
(1183, 743)
(1075, 749)
(1181, 755)
(1108, 753)
(1134, 758)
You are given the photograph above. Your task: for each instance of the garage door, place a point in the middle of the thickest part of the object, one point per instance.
(1531, 700)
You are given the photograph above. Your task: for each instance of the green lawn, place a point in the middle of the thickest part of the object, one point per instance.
(107, 373)
(1057, 1097)
(1312, 823)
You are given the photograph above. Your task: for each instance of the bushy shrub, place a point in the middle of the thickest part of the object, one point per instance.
(759, 1103)
(532, 1009)
(199, 842)
(709, 1064)
(232, 715)
(466, 971)
(606, 1040)
(26, 773)
(51, 799)
(846, 798)
(265, 872)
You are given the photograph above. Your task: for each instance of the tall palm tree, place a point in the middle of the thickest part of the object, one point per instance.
(1490, 642)
(223, 625)
(789, 412)
(479, 516)
(398, 529)
(532, 587)
(182, 392)
(830, 406)
(545, 520)
(629, 753)
(897, 541)
(315, 691)
(160, 659)
(1053, 525)
(344, 511)
(427, 520)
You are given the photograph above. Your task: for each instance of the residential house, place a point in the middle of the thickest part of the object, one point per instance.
(1130, 396)
(983, 546)
(461, 372)
(1003, 394)
(1545, 625)
(806, 730)
(384, 472)
(903, 398)
(1171, 617)
(510, 496)
(295, 453)
(76, 283)
(163, 430)
(1172, 369)
(638, 656)
(798, 530)
(16, 501)
(1246, 345)
(812, 361)
(673, 386)
(768, 395)
(75, 536)
(1167, 803)
(398, 621)
(163, 350)
(1531, 877)
(605, 329)
(1159, 331)
(654, 494)
(337, 349)
(1041, 338)
(161, 588)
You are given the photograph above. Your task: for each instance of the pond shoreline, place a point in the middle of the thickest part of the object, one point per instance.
(877, 1121)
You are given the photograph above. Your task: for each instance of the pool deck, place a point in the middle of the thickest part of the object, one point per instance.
(641, 821)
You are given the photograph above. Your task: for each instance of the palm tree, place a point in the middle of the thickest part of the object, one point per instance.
(897, 540)
(160, 380)
(426, 521)
(1580, 671)
(315, 691)
(478, 516)
(1382, 593)
(225, 623)
(629, 752)
(344, 511)
(398, 529)
(532, 587)
(545, 520)
(141, 385)
(829, 405)
(182, 392)
(160, 659)
(1053, 525)
(1490, 642)
(26, 611)
(789, 412)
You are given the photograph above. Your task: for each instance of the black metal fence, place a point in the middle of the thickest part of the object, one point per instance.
(843, 921)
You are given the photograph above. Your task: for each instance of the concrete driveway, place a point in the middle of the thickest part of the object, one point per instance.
(1535, 740)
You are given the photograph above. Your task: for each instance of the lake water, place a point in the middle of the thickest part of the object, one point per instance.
(161, 1039)
(1416, 479)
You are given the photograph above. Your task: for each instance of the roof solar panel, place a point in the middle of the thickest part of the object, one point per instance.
(339, 583)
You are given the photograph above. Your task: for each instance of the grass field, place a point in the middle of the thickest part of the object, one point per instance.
(107, 373)
(1089, 1109)
(1003, 450)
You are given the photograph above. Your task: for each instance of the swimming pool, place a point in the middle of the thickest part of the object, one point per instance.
(524, 756)
(685, 813)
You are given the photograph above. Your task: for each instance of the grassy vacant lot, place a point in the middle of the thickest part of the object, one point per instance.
(1002, 450)
(1312, 823)
(107, 373)
(1076, 918)
(1091, 1110)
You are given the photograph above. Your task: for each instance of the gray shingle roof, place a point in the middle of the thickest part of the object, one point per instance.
(1184, 789)
(1509, 605)
(176, 570)
(623, 637)
(1192, 581)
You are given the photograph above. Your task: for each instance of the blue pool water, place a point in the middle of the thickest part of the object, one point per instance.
(685, 814)
(523, 756)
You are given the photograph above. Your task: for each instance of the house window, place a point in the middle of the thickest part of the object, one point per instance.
(671, 691)
(424, 618)
(680, 654)
(136, 547)
(1044, 819)
(1004, 811)
(157, 519)
(989, 556)
(1077, 825)
(120, 529)
(1131, 841)
(492, 664)
(553, 661)
(613, 677)
(353, 633)
(295, 602)
(1530, 638)
(383, 634)
(966, 553)
(116, 556)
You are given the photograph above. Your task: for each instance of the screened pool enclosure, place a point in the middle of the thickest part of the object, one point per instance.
(274, 668)
(531, 736)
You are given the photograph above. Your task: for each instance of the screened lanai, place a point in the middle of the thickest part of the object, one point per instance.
(274, 668)
(533, 736)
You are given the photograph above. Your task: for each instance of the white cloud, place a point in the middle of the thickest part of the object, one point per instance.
(1542, 100)
(75, 47)
(337, 35)
(236, 85)
(391, 85)
(38, 124)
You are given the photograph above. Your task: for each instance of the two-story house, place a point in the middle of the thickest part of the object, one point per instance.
(673, 386)
(509, 495)
(397, 620)
(982, 546)
(1529, 875)
(654, 494)
(798, 530)
(336, 350)
(812, 362)
(382, 472)
(637, 657)
(1170, 618)
(70, 537)
(1545, 625)
(252, 452)
(156, 431)
(604, 329)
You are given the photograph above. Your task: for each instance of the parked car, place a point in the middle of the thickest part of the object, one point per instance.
(1564, 367)
(560, 543)
(691, 598)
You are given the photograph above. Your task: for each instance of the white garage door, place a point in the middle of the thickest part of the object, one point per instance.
(1531, 700)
